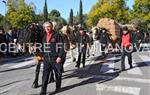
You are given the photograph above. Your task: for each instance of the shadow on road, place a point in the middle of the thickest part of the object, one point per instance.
(93, 74)
(19, 59)
(25, 67)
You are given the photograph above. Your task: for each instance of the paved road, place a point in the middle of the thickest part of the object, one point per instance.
(99, 77)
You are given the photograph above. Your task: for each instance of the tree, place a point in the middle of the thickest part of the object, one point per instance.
(141, 11)
(81, 13)
(84, 23)
(55, 13)
(38, 18)
(20, 16)
(71, 18)
(55, 16)
(59, 21)
(114, 9)
(1, 19)
(45, 11)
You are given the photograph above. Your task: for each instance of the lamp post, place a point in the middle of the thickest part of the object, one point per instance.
(5, 14)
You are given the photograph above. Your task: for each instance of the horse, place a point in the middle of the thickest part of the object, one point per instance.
(69, 34)
(30, 37)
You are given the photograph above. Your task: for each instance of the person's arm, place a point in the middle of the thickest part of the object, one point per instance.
(60, 47)
(108, 38)
(131, 38)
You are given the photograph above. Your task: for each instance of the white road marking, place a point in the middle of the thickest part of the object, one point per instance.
(146, 60)
(134, 71)
(145, 81)
(109, 67)
(114, 58)
(120, 89)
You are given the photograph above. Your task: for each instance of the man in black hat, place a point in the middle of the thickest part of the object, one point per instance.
(83, 41)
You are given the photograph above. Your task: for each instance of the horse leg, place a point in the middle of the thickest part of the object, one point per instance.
(72, 56)
(37, 71)
(63, 62)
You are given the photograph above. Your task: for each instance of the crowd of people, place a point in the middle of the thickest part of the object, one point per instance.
(60, 43)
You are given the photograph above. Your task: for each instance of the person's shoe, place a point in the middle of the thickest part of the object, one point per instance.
(74, 59)
(88, 56)
(57, 89)
(77, 66)
(83, 66)
(35, 85)
(131, 66)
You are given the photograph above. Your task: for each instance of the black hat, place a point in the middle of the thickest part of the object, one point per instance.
(81, 28)
(125, 28)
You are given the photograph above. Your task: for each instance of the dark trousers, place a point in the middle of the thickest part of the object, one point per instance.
(103, 46)
(83, 58)
(48, 67)
(37, 71)
(125, 52)
(62, 68)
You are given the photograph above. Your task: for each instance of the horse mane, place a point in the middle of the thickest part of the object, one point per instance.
(28, 33)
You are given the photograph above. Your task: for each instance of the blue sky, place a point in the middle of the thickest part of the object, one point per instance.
(63, 6)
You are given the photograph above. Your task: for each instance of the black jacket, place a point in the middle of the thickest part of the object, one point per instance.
(104, 38)
(53, 51)
(138, 36)
(82, 40)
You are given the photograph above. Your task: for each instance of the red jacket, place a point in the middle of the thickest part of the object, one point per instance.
(126, 40)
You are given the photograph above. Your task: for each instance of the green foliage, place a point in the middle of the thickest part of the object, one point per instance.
(1, 20)
(142, 11)
(38, 18)
(71, 18)
(21, 16)
(81, 13)
(55, 16)
(60, 22)
(84, 23)
(54, 13)
(114, 9)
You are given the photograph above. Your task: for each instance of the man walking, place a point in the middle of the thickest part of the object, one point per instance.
(53, 54)
(83, 41)
(127, 48)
